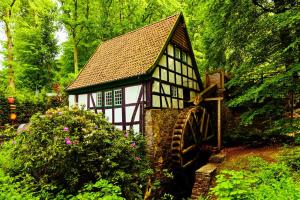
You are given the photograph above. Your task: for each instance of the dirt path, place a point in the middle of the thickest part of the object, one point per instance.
(237, 156)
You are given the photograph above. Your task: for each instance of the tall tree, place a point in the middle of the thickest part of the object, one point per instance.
(35, 44)
(7, 12)
(77, 16)
(258, 41)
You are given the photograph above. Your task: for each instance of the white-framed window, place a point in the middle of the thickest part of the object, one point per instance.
(174, 91)
(118, 97)
(99, 99)
(108, 98)
(177, 53)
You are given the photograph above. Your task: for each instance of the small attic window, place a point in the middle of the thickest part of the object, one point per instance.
(177, 53)
(108, 98)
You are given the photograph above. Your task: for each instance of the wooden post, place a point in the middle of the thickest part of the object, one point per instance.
(219, 124)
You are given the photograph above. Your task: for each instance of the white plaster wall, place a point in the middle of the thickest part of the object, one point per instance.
(164, 74)
(155, 86)
(163, 61)
(129, 111)
(171, 63)
(119, 127)
(108, 114)
(132, 94)
(174, 103)
(170, 50)
(155, 100)
(71, 100)
(136, 128)
(118, 115)
(156, 73)
(82, 100)
(95, 100)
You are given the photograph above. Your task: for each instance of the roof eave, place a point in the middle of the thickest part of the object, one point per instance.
(109, 85)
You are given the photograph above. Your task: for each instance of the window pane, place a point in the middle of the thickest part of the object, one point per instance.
(99, 99)
(108, 98)
(118, 97)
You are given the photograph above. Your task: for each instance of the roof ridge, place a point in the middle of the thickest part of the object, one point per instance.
(135, 30)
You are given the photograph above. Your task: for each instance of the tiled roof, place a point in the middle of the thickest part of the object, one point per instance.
(125, 56)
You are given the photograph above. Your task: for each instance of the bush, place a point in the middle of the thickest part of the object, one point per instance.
(11, 189)
(68, 148)
(27, 105)
(102, 189)
(291, 156)
(265, 181)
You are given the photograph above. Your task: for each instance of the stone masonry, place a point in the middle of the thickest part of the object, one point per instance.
(203, 179)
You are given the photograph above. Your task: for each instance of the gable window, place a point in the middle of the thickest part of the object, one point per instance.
(177, 53)
(99, 99)
(118, 97)
(108, 98)
(174, 91)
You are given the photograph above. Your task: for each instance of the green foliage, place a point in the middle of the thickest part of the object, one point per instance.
(260, 181)
(11, 189)
(291, 156)
(258, 43)
(102, 189)
(27, 104)
(67, 148)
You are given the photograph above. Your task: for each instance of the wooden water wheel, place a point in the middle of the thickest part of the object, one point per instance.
(189, 132)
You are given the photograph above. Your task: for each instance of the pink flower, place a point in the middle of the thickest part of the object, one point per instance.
(66, 129)
(138, 158)
(59, 113)
(133, 144)
(126, 135)
(68, 141)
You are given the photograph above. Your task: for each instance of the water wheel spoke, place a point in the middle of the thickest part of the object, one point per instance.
(190, 148)
(189, 163)
(206, 126)
(193, 131)
(187, 136)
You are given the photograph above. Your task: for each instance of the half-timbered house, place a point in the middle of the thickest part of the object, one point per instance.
(151, 67)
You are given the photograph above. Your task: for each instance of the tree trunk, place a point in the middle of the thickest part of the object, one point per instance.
(75, 51)
(10, 58)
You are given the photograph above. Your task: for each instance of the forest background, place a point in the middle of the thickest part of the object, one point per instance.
(256, 41)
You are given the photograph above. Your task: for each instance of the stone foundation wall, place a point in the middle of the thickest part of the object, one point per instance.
(203, 180)
(158, 133)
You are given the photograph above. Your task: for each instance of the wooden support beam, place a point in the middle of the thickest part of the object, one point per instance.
(219, 125)
(184, 151)
(206, 127)
(213, 99)
(189, 163)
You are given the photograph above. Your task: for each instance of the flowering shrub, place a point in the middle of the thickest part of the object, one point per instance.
(67, 148)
